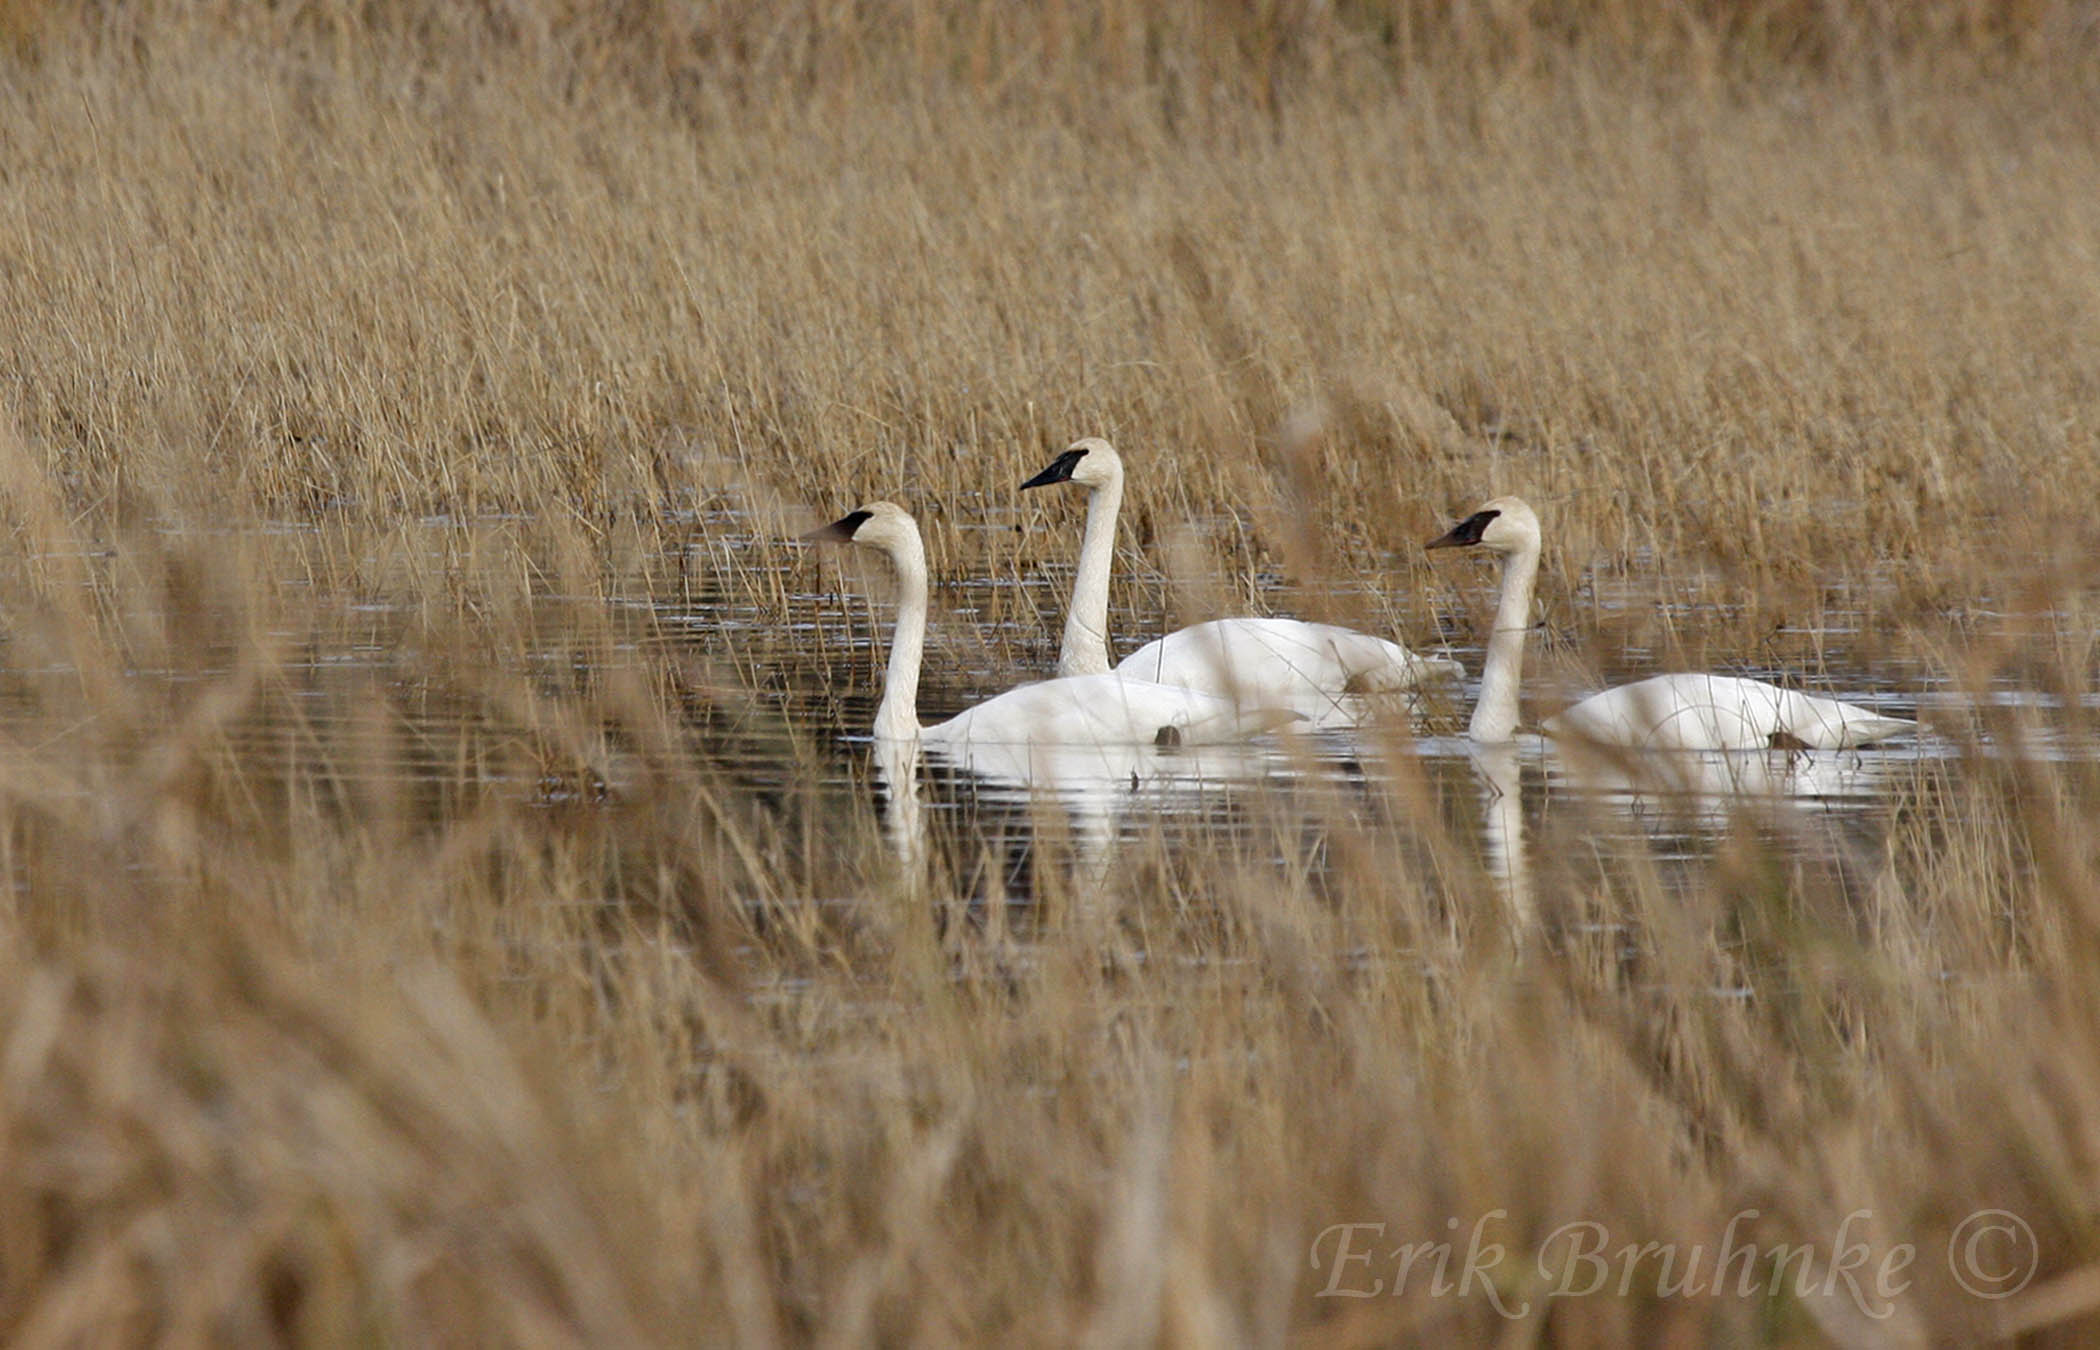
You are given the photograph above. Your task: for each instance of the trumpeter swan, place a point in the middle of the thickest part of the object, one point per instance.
(1664, 712)
(1314, 669)
(1029, 733)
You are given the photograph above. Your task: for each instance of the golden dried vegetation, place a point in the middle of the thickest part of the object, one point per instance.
(435, 903)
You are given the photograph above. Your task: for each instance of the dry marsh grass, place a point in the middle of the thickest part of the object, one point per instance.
(436, 905)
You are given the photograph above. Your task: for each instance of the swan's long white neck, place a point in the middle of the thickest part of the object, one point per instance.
(897, 717)
(1085, 648)
(1495, 714)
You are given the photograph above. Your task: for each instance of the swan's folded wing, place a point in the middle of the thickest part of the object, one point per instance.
(1315, 670)
(1671, 712)
(1690, 711)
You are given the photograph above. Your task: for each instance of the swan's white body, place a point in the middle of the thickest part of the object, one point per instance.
(1316, 670)
(1080, 723)
(1718, 712)
(1666, 712)
(1038, 731)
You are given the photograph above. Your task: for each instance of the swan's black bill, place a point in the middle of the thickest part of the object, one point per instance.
(839, 531)
(1467, 531)
(1059, 470)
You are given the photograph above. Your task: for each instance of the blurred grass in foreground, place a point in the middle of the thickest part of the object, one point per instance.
(464, 991)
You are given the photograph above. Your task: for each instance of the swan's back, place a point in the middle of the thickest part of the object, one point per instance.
(1719, 712)
(1284, 663)
(1108, 709)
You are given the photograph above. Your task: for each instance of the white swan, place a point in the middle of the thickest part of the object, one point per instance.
(1315, 669)
(1031, 733)
(1665, 712)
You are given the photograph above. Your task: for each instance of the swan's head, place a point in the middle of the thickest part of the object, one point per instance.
(1505, 525)
(878, 525)
(1091, 462)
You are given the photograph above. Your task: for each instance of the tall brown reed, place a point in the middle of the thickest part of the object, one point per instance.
(397, 941)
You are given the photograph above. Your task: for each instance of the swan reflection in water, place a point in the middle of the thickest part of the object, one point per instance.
(1095, 786)
(1660, 795)
(1709, 787)
(1500, 776)
(896, 761)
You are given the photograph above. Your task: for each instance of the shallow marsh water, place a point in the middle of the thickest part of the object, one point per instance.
(776, 657)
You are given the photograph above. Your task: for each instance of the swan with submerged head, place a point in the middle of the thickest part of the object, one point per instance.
(1664, 712)
(1025, 733)
(1315, 669)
